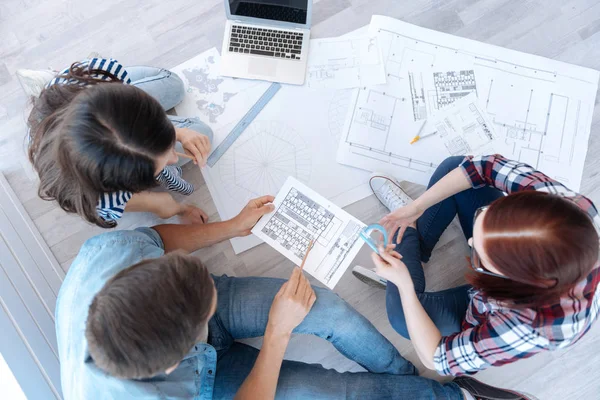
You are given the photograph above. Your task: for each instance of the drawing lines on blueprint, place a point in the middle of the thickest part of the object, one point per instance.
(540, 109)
(341, 63)
(452, 85)
(417, 95)
(540, 139)
(480, 59)
(262, 158)
(369, 133)
(340, 250)
(338, 108)
(297, 221)
(328, 68)
(416, 66)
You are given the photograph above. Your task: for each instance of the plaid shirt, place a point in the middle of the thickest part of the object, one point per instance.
(493, 334)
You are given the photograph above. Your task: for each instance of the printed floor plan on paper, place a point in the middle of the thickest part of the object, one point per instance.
(540, 109)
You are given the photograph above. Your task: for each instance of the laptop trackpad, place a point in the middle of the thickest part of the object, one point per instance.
(260, 66)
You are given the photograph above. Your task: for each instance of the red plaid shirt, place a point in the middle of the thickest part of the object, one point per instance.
(493, 334)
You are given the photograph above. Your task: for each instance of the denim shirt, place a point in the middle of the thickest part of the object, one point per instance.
(99, 259)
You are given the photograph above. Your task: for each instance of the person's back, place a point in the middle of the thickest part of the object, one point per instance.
(99, 259)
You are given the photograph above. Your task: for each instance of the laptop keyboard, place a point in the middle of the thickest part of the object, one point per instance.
(265, 42)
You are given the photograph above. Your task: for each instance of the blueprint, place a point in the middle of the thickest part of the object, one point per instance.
(344, 62)
(462, 128)
(296, 135)
(302, 217)
(540, 109)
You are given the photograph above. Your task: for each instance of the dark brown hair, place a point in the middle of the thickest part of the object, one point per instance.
(95, 136)
(544, 243)
(148, 316)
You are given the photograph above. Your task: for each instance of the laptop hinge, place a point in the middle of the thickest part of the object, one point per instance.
(237, 21)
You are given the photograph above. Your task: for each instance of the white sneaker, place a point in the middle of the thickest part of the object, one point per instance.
(369, 277)
(388, 191)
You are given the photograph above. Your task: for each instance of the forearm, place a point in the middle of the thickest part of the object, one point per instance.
(261, 383)
(196, 236)
(424, 335)
(159, 203)
(451, 184)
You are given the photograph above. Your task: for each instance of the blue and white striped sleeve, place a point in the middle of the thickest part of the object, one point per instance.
(111, 206)
(170, 178)
(104, 64)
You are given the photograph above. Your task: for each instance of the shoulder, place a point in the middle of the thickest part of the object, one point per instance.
(99, 259)
(139, 236)
(558, 325)
(102, 257)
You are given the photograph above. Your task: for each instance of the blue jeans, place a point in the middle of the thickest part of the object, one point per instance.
(242, 312)
(446, 308)
(167, 87)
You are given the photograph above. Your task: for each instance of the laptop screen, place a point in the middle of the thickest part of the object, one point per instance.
(293, 11)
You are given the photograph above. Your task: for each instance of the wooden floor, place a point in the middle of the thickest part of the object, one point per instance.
(42, 33)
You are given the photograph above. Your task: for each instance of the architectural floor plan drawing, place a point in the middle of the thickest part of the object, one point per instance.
(463, 128)
(301, 215)
(344, 62)
(540, 109)
(294, 135)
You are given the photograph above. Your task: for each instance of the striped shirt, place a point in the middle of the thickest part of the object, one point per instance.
(112, 205)
(493, 334)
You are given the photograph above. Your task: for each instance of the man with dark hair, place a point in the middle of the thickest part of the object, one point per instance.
(135, 323)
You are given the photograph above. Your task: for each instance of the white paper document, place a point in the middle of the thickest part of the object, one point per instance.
(540, 109)
(301, 215)
(344, 62)
(462, 128)
(296, 134)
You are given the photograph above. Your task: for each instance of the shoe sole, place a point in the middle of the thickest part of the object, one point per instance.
(368, 281)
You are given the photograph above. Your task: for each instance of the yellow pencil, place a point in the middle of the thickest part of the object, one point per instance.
(308, 249)
(418, 133)
(417, 138)
(184, 155)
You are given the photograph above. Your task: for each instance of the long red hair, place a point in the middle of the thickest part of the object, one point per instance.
(544, 243)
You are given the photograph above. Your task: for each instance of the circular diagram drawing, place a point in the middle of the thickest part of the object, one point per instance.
(262, 158)
(338, 108)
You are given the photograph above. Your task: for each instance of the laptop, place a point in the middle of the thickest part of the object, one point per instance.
(267, 40)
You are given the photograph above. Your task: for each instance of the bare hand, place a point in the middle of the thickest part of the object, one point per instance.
(291, 304)
(253, 211)
(400, 218)
(389, 265)
(192, 214)
(195, 144)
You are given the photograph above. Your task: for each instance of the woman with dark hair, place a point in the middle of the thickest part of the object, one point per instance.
(100, 139)
(534, 280)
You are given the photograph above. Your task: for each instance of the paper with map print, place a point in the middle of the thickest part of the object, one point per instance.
(215, 99)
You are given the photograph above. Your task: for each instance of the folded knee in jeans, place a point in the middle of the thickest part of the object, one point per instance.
(340, 316)
(450, 163)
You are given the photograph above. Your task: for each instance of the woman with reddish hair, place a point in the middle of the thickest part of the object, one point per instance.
(533, 283)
